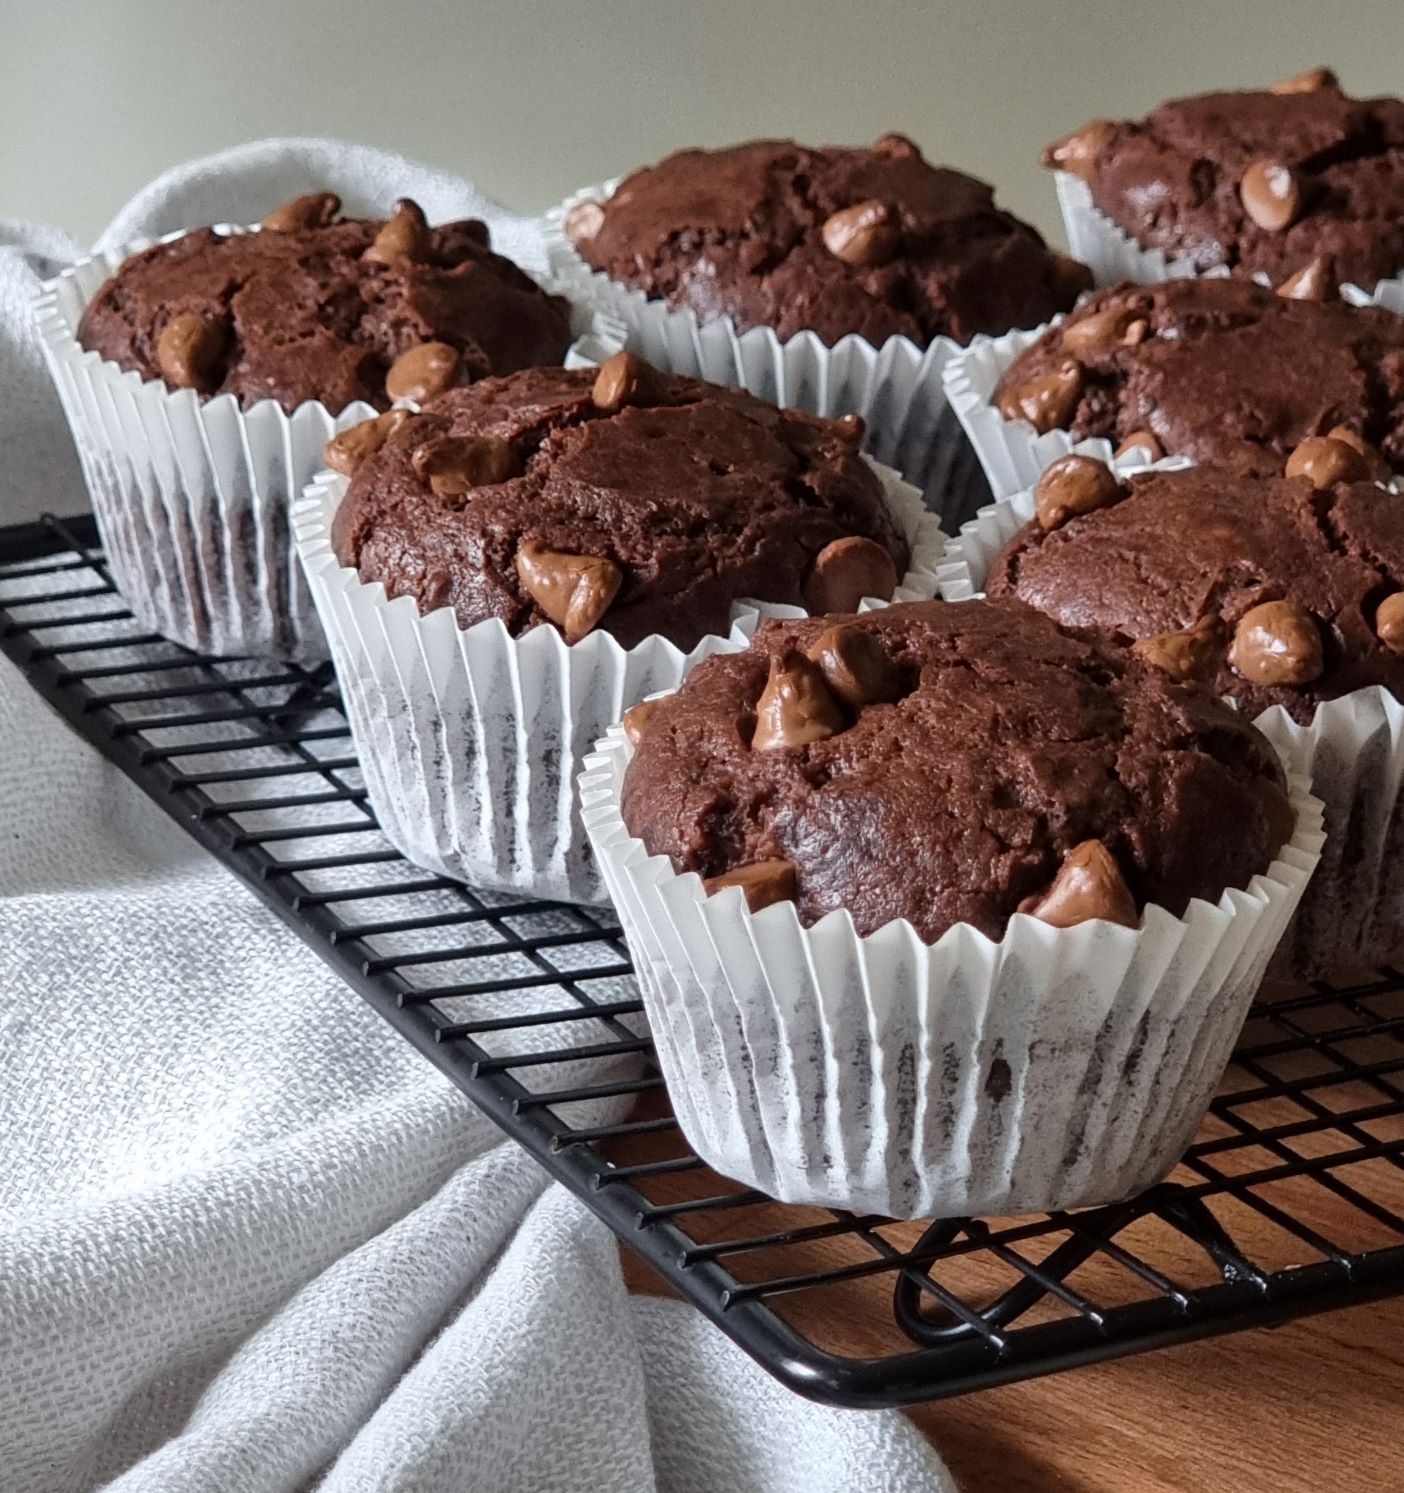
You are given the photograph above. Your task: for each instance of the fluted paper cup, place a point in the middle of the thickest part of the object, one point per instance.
(1351, 752)
(1053, 1068)
(470, 739)
(192, 495)
(895, 386)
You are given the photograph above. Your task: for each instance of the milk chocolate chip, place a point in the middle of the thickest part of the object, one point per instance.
(1277, 643)
(315, 210)
(1141, 440)
(422, 372)
(796, 706)
(455, 464)
(897, 148)
(1112, 326)
(1089, 884)
(573, 590)
(845, 571)
(851, 427)
(1181, 655)
(635, 720)
(856, 666)
(1377, 468)
(1271, 195)
(190, 351)
(404, 236)
(584, 221)
(1389, 622)
(865, 235)
(1307, 82)
(345, 452)
(1326, 460)
(1047, 402)
(1073, 485)
(762, 883)
(1315, 281)
(1078, 152)
(623, 379)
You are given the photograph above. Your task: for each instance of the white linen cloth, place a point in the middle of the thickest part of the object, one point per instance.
(250, 1241)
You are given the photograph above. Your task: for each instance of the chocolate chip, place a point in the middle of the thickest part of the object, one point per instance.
(851, 427)
(1308, 82)
(190, 351)
(845, 572)
(574, 591)
(404, 236)
(856, 667)
(1100, 331)
(1315, 281)
(315, 210)
(1277, 643)
(796, 706)
(1389, 622)
(1271, 195)
(1089, 885)
(1073, 485)
(1325, 460)
(584, 221)
(897, 148)
(1143, 441)
(864, 235)
(1377, 468)
(635, 720)
(348, 450)
(1078, 152)
(422, 372)
(455, 464)
(623, 379)
(762, 883)
(1047, 402)
(1182, 655)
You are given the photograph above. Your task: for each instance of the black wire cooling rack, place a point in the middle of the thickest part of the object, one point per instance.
(1291, 1200)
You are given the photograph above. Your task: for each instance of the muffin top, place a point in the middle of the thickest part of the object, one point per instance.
(313, 307)
(1268, 590)
(1258, 181)
(625, 499)
(952, 763)
(871, 241)
(1220, 370)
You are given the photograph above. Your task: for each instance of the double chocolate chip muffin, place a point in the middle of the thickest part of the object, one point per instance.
(872, 241)
(623, 499)
(1283, 590)
(1220, 370)
(952, 764)
(317, 307)
(1259, 181)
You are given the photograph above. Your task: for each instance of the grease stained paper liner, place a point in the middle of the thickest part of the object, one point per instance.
(896, 387)
(192, 495)
(470, 739)
(1352, 752)
(1053, 1069)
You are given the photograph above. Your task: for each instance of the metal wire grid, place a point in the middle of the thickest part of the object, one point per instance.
(1292, 1199)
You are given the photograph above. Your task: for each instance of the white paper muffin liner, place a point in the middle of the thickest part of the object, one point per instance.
(470, 739)
(896, 387)
(192, 495)
(1351, 752)
(1052, 1069)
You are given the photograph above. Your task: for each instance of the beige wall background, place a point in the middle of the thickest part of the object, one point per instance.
(531, 99)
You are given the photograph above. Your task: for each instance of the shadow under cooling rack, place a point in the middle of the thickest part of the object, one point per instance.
(1291, 1200)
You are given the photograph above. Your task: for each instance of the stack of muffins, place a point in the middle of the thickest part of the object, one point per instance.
(940, 902)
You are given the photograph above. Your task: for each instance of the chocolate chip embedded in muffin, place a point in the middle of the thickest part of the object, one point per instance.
(1017, 768)
(533, 499)
(1224, 371)
(313, 307)
(1270, 591)
(869, 241)
(1259, 181)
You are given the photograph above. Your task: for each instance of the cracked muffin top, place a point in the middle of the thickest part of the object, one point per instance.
(317, 307)
(1220, 370)
(870, 241)
(1270, 591)
(621, 498)
(950, 763)
(1259, 181)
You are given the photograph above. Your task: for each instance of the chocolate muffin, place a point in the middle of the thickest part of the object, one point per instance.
(316, 307)
(1263, 181)
(1220, 370)
(835, 241)
(625, 499)
(950, 763)
(1268, 590)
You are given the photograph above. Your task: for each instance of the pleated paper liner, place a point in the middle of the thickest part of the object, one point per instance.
(471, 739)
(1053, 1068)
(896, 387)
(192, 495)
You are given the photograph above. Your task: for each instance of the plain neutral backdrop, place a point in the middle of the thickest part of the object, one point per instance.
(531, 99)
